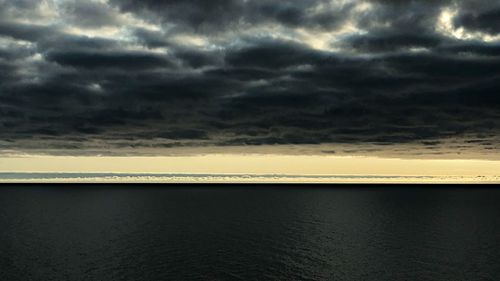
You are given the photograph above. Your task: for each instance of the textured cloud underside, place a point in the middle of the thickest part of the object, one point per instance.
(160, 74)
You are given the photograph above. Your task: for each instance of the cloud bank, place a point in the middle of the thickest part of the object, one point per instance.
(130, 73)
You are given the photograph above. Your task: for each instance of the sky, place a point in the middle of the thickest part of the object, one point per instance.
(234, 164)
(385, 78)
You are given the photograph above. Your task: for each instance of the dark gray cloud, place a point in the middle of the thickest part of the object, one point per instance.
(220, 15)
(229, 72)
(385, 41)
(28, 32)
(89, 14)
(483, 16)
(273, 54)
(97, 60)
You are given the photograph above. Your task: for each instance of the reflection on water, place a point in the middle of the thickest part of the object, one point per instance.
(248, 233)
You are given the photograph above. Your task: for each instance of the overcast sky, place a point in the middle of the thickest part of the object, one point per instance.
(83, 74)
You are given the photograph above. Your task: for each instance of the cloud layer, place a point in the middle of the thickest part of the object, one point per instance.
(240, 72)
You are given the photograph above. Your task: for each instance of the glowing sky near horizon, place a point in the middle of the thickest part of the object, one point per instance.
(253, 164)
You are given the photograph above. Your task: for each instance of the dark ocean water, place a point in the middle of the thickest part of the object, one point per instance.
(249, 233)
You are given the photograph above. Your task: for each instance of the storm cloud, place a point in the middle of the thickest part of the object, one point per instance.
(112, 73)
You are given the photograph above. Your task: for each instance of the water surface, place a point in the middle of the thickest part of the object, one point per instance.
(118, 232)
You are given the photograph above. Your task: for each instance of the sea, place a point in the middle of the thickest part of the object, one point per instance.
(249, 232)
